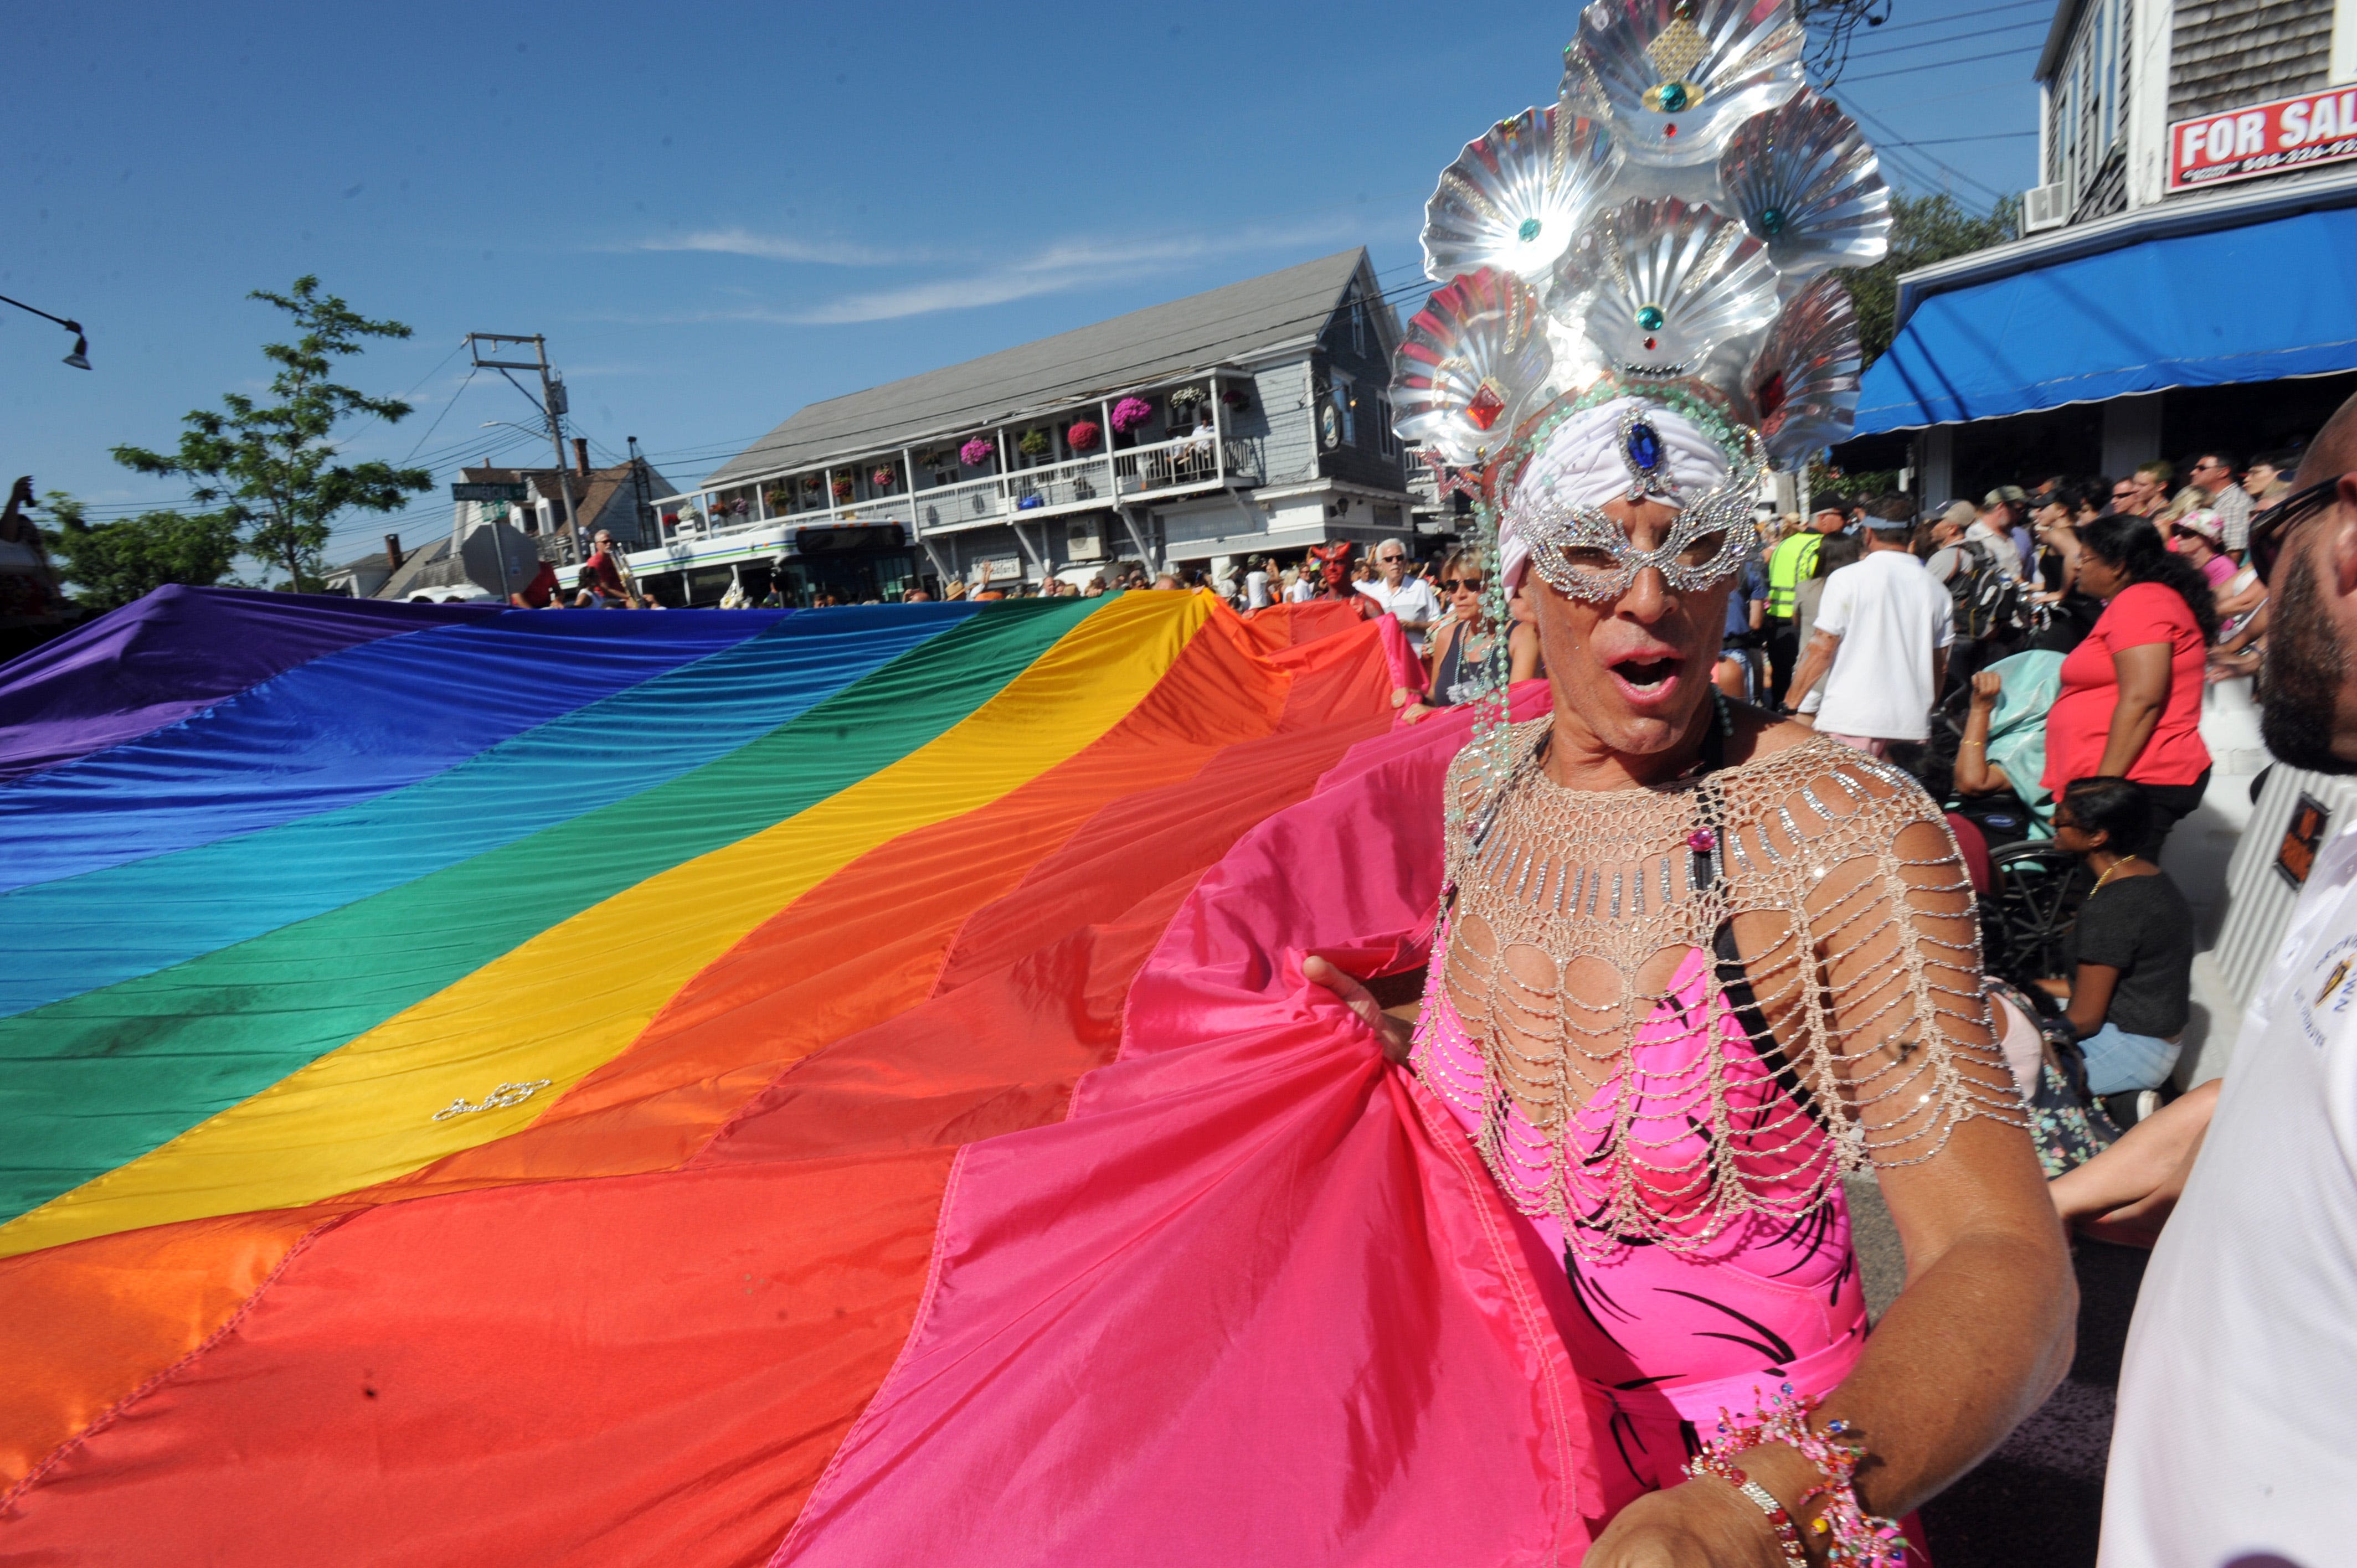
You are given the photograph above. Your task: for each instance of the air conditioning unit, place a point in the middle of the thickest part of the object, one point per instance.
(1084, 540)
(2044, 206)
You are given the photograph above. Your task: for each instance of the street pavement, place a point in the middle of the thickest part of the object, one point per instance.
(2038, 1501)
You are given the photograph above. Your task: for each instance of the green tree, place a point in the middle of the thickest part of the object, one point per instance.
(1923, 230)
(112, 563)
(271, 467)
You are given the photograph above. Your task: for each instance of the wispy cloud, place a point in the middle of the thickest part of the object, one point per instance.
(967, 281)
(781, 247)
(1066, 264)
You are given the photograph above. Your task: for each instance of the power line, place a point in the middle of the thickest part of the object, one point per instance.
(1412, 286)
(1971, 33)
(1889, 28)
(1951, 141)
(1954, 173)
(1939, 65)
(447, 407)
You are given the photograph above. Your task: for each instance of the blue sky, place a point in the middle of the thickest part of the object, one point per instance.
(717, 215)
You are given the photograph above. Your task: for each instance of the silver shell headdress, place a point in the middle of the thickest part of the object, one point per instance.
(1672, 215)
(1676, 78)
(1515, 197)
(1662, 233)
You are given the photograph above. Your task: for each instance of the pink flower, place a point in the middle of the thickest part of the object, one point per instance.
(977, 452)
(1130, 413)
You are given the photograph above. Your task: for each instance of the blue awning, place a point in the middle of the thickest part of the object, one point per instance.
(2249, 304)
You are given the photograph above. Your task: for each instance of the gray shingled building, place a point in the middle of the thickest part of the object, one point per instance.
(2177, 289)
(1251, 419)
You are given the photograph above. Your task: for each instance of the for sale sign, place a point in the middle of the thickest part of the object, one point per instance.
(2266, 138)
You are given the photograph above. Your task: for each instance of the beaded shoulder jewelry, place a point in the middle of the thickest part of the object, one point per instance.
(1709, 999)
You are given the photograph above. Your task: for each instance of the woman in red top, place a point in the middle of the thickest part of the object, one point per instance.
(2131, 700)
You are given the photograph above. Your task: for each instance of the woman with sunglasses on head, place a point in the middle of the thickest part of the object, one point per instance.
(2130, 705)
(1466, 643)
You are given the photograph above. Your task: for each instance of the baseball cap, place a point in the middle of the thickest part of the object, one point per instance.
(2204, 521)
(1960, 513)
(2011, 494)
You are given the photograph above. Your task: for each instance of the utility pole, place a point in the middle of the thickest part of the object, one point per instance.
(648, 537)
(552, 403)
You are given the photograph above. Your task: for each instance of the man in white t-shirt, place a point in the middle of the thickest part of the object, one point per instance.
(1409, 600)
(1258, 594)
(2236, 1436)
(1881, 644)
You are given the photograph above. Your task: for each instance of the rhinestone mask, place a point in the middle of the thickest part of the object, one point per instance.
(1570, 542)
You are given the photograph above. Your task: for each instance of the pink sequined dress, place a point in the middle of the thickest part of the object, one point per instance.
(1668, 1338)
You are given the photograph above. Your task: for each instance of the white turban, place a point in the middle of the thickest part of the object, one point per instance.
(1581, 466)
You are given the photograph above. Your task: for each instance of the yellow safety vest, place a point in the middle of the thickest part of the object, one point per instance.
(1792, 560)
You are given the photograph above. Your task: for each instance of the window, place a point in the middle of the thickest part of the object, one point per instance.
(1385, 442)
(2085, 97)
(1345, 408)
(1358, 325)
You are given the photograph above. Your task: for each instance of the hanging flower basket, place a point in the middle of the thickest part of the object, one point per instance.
(1129, 414)
(1186, 398)
(1235, 399)
(977, 452)
(842, 489)
(779, 498)
(809, 484)
(1035, 443)
(1083, 435)
(883, 479)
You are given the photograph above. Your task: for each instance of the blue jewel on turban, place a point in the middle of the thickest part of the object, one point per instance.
(1644, 447)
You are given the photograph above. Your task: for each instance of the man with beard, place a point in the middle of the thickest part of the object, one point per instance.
(2236, 1437)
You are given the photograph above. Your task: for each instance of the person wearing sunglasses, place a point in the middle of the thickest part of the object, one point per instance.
(2235, 1438)
(1467, 640)
(1406, 599)
(2200, 538)
(2211, 486)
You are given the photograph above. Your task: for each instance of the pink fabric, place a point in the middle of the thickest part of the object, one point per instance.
(1257, 1301)
(1407, 670)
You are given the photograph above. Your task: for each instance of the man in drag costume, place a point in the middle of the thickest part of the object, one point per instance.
(1693, 965)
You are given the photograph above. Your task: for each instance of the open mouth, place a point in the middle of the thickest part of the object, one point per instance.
(1647, 677)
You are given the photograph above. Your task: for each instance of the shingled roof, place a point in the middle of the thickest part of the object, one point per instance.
(1221, 327)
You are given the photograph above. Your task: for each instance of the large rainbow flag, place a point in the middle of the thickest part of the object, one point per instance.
(739, 1087)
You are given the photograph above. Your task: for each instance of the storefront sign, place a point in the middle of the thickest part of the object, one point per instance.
(2266, 138)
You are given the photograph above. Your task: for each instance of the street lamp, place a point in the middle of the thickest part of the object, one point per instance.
(79, 357)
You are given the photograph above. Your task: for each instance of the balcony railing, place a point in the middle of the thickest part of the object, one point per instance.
(1194, 462)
